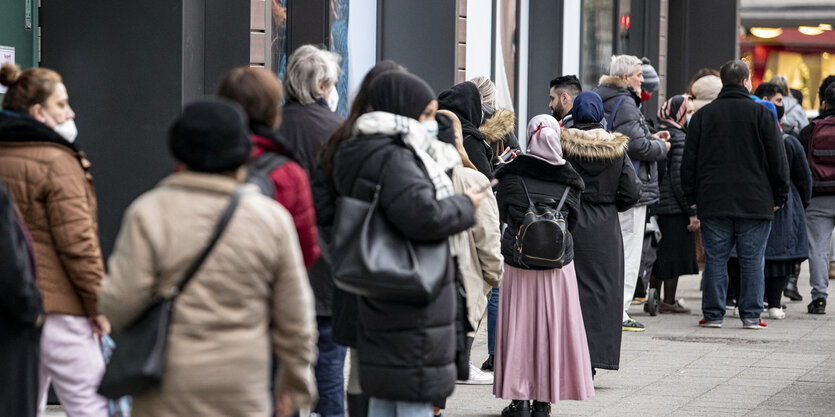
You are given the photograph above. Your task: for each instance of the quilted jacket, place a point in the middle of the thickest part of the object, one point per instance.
(50, 181)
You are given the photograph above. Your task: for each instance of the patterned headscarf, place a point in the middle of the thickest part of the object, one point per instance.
(544, 139)
(674, 111)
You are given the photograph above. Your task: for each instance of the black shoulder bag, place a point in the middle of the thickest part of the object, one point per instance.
(138, 360)
(541, 239)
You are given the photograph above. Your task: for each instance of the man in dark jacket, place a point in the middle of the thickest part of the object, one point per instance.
(564, 90)
(306, 125)
(735, 173)
(620, 93)
(820, 215)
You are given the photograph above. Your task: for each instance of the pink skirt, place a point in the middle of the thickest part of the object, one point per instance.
(541, 348)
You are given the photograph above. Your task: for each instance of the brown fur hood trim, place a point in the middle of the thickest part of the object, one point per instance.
(498, 126)
(593, 144)
(612, 81)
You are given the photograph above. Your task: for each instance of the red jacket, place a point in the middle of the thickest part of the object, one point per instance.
(292, 190)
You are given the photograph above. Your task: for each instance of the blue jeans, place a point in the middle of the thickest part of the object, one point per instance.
(379, 407)
(718, 237)
(492, 314)
(330, 368)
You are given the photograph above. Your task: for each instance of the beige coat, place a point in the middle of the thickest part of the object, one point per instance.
(483, 270)
(250, 298)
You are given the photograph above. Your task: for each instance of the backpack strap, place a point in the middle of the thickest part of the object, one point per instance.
(260, 169)
(611, 125)
(526, 191)
(564, 196)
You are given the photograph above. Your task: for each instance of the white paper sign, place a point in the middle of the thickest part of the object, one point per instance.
(6, 55)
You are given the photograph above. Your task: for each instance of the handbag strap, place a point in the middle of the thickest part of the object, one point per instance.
(219, 228)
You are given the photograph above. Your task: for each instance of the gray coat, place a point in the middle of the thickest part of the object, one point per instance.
(643, 149)
(796, 118)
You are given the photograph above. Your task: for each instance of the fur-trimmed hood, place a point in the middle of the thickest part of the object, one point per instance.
(595, 144)
(497, 126)
(613, 81)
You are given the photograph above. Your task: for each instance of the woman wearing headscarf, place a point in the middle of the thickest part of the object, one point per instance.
(407, 352)
(676, 219)
(541, 348)
(611, 186)
(787, 243)
(465, 101)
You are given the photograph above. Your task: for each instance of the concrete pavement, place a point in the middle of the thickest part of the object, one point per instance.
(677, 368)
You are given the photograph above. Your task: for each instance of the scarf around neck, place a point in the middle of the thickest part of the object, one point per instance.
(437, 157)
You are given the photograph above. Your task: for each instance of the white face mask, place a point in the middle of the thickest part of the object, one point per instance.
(333, 99)
(66, 130)
(431, 127)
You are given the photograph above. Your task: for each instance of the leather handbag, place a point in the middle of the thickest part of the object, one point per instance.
(138, 360)
(371, 258)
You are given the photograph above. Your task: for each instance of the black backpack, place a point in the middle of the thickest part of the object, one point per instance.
(259, 169)
(542, 236)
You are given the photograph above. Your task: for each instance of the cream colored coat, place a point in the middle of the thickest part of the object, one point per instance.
(483, 269)
(251, 297)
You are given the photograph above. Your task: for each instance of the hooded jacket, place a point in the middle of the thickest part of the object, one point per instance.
(498, 129)
(630, 121)
(591, 153)
(465, 101)
(796, 118)
(734, 163)
(50, 181)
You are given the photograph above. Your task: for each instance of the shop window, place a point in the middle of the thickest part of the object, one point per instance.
(597, 41)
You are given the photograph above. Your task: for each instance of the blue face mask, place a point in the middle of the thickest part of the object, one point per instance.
(431, 127)
(688, 120)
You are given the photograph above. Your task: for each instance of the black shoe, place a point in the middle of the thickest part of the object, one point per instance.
(540, 409)
(357, 405)
(488, 364)
(817, 306)
(791, 289)
(517, 408)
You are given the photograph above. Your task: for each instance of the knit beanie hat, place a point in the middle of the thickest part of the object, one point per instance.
(650, 76)
(705, 90)
(211, 136)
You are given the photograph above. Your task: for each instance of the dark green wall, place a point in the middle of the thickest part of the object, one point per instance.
(12, 32)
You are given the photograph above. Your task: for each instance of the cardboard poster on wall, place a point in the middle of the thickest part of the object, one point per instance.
(6, 55)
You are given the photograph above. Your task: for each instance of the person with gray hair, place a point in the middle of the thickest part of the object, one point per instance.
(307, 123)
(620, 91)
(796, 118)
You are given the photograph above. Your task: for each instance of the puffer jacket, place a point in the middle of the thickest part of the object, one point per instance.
(672, 193)
(629, 121)
(406, 351)
(50, 181)
(249, 298)
(545, 183)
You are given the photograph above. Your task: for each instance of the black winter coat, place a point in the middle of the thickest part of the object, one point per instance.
(546, 184)
(611, 186)
(464, 100)
(20, 306)
(672, 193)
(630, 121)
(734, 162)
(788, 239)
(806, 136)
(406, 352)
(304, 129)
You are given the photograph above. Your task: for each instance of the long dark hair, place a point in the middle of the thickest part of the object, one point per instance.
(358, 108)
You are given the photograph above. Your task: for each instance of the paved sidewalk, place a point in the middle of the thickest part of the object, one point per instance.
(677, 368)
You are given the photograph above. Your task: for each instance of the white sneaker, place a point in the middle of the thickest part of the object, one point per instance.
(477, 377)
(734, 312)
(776, 313)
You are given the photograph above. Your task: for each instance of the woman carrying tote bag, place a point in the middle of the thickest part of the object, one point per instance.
(407, 350)
(250, 296)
